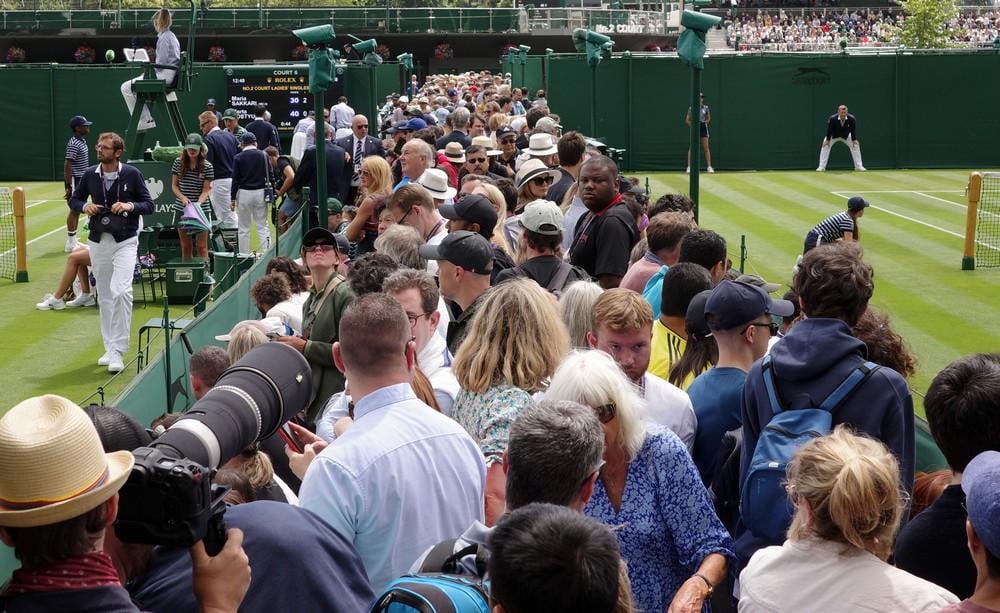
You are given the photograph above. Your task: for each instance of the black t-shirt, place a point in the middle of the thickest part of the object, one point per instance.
(558, 190)
(501, 262)
(932, 545)
(542, 269)
(602, 243)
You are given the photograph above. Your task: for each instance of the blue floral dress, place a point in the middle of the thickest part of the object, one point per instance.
(666, 525)
(487, 417)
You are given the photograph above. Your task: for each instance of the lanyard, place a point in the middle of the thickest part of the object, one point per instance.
(434, 230)
(104, 186)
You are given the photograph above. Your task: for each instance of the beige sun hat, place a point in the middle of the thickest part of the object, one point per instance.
(454, 151)
(52, 464)
(486, 143)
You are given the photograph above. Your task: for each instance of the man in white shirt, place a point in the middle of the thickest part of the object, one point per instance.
(623, 328)
(341, 114)
(404, 476)
(412, 205)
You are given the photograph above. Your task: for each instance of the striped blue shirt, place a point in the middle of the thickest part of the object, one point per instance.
(78, 154)
(832, 228)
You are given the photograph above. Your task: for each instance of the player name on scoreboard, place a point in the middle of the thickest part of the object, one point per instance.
(284, 89)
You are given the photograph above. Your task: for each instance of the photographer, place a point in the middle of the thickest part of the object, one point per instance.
(51, 452)
(118, 198)
(286, 545)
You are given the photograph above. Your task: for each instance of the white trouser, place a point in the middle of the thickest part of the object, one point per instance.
(146, 120)
(250, 204)
(222, 200)
(114, 264)
(824, 152)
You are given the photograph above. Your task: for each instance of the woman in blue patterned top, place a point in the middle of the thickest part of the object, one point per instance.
(515, 342)
(676, 548)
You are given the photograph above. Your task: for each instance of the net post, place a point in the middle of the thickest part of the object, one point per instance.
(974, 191)
(20, 236)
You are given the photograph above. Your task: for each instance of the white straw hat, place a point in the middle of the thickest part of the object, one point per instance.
(541, 144)
(435, 181)
(486, 143)
(52, 464)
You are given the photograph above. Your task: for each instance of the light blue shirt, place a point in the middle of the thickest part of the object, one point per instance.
(653, 293)
(403, 478)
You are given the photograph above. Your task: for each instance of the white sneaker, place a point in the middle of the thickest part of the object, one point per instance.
(83, 300)
(710, 169)
(51, 303)
(105, 359)
(861, 169)
(688, 171)
(116, 364)
(821, 170)
(71, 243)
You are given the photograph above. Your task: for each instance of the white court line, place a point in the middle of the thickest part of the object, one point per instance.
(952, 203)
(36, 239)
(910, 191)
(923, 223)
(32, 203)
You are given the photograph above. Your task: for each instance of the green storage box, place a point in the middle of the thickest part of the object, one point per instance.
(223, 271)
(183, 278)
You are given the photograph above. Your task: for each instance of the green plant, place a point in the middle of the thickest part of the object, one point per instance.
(926, 23)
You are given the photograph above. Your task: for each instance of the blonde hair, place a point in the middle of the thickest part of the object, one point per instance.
(242, 340)
(851, 485)
(380, 173)
(516, 338)
(576, 308)
(162, 20)
(495, 196)
(497, 120)
(621, 310)
(257, 467)
(593, 379)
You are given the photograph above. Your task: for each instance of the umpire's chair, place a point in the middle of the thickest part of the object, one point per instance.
(150, 92)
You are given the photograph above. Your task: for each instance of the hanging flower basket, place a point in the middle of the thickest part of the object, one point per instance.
(216, 53)
(443, 51)
(84, 55)
(383, 51)
(300, 53)
(16, 55)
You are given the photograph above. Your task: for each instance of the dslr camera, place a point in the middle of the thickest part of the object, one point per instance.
(169, 498)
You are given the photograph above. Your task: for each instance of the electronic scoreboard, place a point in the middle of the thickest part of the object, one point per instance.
(283, 88)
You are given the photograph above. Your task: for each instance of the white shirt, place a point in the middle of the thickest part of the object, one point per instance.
(341, 115)
(826, 577)
(289, 312)
(670, 406)
(432, 265)
(403, 478)
(435, 362)
(577, 209)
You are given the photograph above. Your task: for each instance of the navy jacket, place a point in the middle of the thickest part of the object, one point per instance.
(93, 600)
(299, 564)
(809, 363)
(222, 148)
(835, 130)
(337, 179)
(130, 186)
(265, 132)
(251, 169)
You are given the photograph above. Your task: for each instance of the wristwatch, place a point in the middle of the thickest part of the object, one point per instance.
(711, 588)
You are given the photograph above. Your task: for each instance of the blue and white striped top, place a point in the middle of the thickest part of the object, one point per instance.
(78, 154)
(832, 228)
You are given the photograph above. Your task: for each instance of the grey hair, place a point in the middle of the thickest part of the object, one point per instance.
(554, 446)
(424, 150)
(576, 305)
(460, 118)
(593, 378)
(402, 243)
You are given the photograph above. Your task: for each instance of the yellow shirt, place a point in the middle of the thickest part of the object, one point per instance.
(666, 350)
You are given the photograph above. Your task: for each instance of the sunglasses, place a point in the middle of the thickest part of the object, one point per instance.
(476, 160)
(540, 181)
(322, 247)
(508, 141)
(364, 127)
(772, 327)
(606, 412)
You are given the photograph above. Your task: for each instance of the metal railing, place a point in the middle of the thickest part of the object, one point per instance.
(351, 19)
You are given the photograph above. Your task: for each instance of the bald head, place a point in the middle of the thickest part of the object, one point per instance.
(359, 125)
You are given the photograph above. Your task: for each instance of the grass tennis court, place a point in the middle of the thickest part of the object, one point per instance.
(912, 235)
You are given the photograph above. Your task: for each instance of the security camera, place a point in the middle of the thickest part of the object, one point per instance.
(316, 36)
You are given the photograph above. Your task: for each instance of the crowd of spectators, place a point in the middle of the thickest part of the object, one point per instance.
(584, 429)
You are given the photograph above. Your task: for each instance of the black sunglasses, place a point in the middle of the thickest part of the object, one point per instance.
(539, 181)
(772, 327)
(606, 412)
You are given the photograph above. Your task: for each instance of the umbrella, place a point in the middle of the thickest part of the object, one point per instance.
(193, 219)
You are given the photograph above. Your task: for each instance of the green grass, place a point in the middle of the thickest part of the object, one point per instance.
(942, 311)
(56, 351)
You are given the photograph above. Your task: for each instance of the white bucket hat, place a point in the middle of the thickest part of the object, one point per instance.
(486, 143)
(541, 144)
(435, 181)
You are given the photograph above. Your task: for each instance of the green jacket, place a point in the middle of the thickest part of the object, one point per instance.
(325, 331)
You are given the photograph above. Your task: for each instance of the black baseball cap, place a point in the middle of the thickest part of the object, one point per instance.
(79, 120)
(472, 208)
(318, 235)
(248, 138)
(505, 131)
(467, 250)
(343, 245)
(734, 304)
(856, 203)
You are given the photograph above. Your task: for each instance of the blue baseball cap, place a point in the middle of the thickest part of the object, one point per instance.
(981, 484)
(416, 124)
(734, 304)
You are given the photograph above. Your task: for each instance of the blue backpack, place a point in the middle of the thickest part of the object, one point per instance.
(765, 508)
(437, 588)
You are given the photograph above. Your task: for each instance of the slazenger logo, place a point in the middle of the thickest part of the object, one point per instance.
(155, 187)
(810, 76)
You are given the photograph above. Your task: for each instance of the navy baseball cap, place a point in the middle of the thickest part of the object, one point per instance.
(210, 102)
(505, 131)
(467, 250)
(452, 92)
(402, 126)
(343, 245)
(695, 321)
(734, 304)
(416, 124)
(856, 203)
(981, 484)
(79, 120)
(248, 138)
(472, 208)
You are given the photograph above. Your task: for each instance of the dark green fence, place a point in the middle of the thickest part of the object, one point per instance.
(913, 110)
(40, 100)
